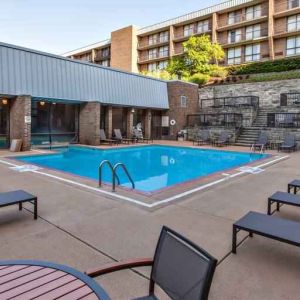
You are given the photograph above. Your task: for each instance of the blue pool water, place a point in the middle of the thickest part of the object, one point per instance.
(152, 167)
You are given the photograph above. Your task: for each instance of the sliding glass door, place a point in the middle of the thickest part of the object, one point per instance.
(54, 123)
(4, 124)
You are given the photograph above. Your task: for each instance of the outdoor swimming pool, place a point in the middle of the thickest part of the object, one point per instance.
(152, 167)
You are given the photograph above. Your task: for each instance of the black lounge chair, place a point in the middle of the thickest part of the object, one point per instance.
(202, 138)
(120, 139)
(261, 143)
(181, 268)
(222, 140)
(281, 198)
(275, 228)
(104, 140)
(289, 143)
(138, 136)
(294, 185)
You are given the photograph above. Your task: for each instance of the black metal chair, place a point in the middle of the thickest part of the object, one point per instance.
(180, 268)
(289, 143)
(223, 139)
(203, 137)
(262, 142)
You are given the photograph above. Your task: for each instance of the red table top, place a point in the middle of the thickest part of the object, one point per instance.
(21, 280)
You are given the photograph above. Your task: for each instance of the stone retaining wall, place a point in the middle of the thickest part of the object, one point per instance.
(268, 92)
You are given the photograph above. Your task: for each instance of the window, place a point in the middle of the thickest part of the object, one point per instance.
(164, 51)
(293, 45)
(253, 12)
(183, 101)
(105, 63)
(162, 64)
(234, 17)
(234, 56)
(188, 30)
(152, 53)
(293, 4)
(105, 52)
(164, 37)
(152, 67)
(234, 36)
(203, 26)
(293, 23)
(253, 32)
(252, 52)
(152, 39)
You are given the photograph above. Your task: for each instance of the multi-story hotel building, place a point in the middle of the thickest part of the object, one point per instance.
(247, 30)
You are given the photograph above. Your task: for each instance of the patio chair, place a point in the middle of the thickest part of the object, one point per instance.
(203, 137)
(120, 139)
(138, 136)
(261, 143)
(104, 140)
(289, 143)
(180, 268)
(222, 140)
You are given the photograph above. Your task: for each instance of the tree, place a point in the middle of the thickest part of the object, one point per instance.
(200, 56)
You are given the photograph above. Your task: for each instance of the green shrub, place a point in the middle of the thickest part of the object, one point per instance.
(280, 65)
(217, 71)
(199, 78)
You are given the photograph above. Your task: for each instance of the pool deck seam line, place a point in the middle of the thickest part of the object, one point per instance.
(157, 203)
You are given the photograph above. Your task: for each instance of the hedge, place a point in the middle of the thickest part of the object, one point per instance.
(280, 65)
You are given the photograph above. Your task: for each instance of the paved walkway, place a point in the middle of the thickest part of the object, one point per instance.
(79, 228)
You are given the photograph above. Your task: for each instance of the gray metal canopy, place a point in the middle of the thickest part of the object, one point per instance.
(41, 75)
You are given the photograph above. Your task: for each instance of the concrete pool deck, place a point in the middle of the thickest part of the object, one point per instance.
(80, 228)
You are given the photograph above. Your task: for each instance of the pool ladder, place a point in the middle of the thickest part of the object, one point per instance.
(114, 173)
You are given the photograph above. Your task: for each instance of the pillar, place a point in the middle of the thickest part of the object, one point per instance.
(271, 29)
(147, 122)
(20, 120)
(89, 123)
(129, 122)
(108, 122)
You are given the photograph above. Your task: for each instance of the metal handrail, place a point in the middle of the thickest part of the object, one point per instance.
(100, 171)
(115, 175)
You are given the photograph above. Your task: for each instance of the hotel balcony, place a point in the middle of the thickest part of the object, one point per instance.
(146, 44)
(230, 41)
(281, 33)
(152, 57)
(286, 8)
(182, 36)
(241, 20)
(102, 56)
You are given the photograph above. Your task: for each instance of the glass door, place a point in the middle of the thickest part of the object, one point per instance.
(4, 124)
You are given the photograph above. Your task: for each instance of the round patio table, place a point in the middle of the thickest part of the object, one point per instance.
(30, 279)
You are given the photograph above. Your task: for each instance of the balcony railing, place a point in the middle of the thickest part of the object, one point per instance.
(227, 120)
(102, 56)
(284, 120)
(263, 32)
(281, 6)
(147, 43)
(230, 102)
(187, 34)
(243, 17)
(290, 99)
(154, 56)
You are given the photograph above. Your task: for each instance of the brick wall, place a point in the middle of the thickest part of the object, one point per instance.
(89, 123)
(176, 89)
(123, 49)
(268, 92)
(20, 108)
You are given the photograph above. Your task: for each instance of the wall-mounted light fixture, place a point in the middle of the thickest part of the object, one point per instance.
(4, 101)
(42, 103)
(133, 111)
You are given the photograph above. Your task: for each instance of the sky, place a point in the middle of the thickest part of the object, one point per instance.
(58, 26)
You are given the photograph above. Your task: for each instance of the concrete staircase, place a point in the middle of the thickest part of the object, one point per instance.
(249, 135)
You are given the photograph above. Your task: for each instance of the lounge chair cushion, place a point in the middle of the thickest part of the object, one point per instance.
(146, 298)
